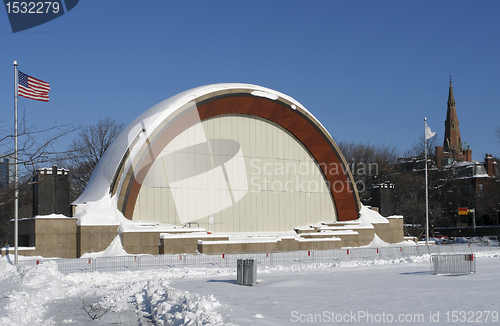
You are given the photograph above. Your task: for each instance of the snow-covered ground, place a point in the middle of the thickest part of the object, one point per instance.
(353, 292)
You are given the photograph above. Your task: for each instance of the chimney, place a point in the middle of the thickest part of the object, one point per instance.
(490, 165)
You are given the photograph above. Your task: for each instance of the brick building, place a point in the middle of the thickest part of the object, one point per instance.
(470, 183)
(456, 180)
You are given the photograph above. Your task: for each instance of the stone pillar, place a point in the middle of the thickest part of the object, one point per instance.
(383, 198)
(51, 192)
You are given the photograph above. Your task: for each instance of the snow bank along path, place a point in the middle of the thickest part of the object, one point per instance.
(40, 295)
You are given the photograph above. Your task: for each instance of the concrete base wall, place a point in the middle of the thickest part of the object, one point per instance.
(141, 242)
(317, 235)
(26, 228)
(289, 244)
(61, 237)
(391, 232)
(328, 244)
(173, 245)
(93, 238)
(349, 239)
(51, 237)
(365, 236)
(216, 247)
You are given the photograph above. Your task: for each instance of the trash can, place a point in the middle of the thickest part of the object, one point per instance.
(246, 271)
(239, 271)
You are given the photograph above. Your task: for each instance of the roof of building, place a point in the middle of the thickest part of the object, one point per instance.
(98, 189)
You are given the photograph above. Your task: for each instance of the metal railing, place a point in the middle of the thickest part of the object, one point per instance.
(453, 264)
(264, 259)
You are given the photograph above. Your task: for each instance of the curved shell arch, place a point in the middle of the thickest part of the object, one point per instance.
(225, 124)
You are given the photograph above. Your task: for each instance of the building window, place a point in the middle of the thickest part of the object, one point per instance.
(481, 188)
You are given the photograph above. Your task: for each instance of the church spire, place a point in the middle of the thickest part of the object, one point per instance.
(451, 98)
(452, 139)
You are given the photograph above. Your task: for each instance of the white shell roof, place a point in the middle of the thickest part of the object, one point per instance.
(98, 188)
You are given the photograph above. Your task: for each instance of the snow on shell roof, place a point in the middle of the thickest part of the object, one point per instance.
(102, 177)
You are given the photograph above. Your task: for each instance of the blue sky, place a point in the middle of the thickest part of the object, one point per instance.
(370, 71)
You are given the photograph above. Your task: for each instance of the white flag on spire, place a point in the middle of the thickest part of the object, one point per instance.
(428, 132)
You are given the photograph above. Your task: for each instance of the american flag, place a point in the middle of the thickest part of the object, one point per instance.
(32, 88)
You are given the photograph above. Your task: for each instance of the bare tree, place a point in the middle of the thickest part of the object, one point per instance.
(87, 149)
(369, 164)
(418, 148)
(36, 147)
(410, 200)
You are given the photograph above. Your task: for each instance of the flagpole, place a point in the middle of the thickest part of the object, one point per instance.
(16, 190)
(426, 189)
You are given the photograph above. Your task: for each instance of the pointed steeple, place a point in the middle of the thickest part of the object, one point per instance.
(451, 98)
(452, 139)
